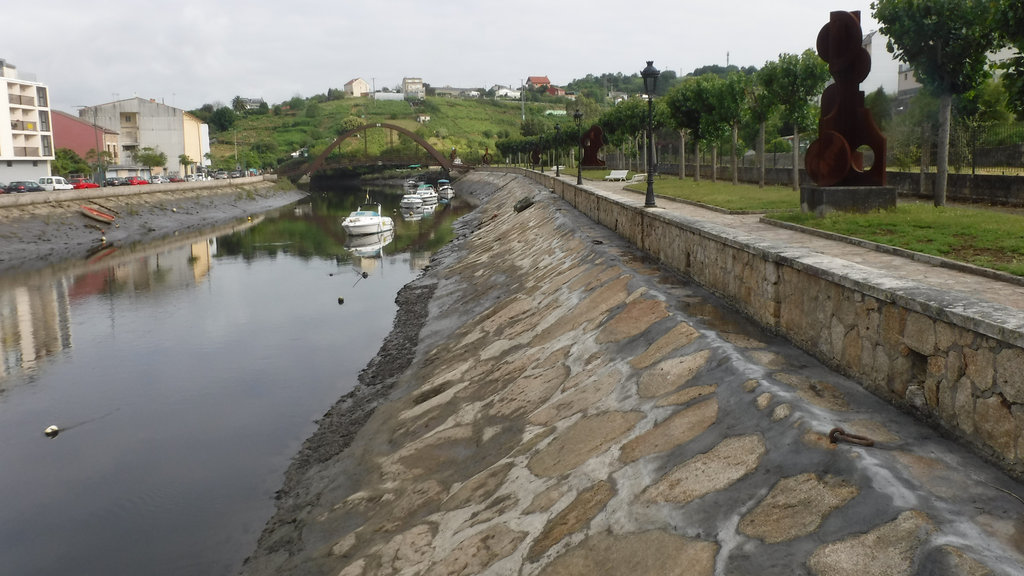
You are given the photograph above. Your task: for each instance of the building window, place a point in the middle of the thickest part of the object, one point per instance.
(47, 146)
(41, 96)
(44, 121)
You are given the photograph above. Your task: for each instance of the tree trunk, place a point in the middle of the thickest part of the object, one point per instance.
(921, 185)
(682, 154)
(942, 161)
(760, 155)
(735, 160)
(714, 163)
(796, 159)
(696, 160)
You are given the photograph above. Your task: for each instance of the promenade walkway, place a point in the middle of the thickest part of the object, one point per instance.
(971, 284)
(571, 409)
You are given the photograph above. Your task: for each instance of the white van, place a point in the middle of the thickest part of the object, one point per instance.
(55, 183)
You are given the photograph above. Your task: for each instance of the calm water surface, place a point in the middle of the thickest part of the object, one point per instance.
(183, 377)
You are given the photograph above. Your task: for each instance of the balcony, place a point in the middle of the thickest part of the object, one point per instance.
(24, 126)
(20, 100)
(26, 152)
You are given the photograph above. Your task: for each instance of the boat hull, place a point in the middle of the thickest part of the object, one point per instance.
(97, 215)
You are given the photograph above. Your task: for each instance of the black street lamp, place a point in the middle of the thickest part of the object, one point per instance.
(558, 145)
(578, 117)
(650, 76)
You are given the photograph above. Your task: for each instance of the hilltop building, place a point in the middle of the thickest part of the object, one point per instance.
(26, 134)
(413, 88)
(357, 87)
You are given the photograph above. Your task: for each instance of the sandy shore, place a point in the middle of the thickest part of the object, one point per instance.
(35, 236)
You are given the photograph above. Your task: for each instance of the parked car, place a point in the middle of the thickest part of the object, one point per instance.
(236, 174)
(176, 179)
(80, 183)
(54, 183)
(159, 180)
(220, 175)
(135, 181)
(114, 181)
(23, 186)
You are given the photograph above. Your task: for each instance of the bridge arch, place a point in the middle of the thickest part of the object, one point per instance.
(318, 162)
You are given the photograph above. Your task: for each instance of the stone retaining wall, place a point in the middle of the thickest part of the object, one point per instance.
(30, 198)
(955, 362)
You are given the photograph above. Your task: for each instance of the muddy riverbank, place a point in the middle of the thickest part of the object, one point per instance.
(33, 236)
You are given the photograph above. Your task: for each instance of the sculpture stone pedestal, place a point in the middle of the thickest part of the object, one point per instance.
(824, 199)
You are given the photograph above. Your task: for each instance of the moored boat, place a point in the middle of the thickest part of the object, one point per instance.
(411, 201)
(364, 221)
(427, 194)
(445, 190)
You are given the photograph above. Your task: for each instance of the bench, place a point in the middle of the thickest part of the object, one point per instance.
(617, 175)
(639, 177)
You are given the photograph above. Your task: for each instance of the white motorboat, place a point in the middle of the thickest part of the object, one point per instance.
(411, 201)
(427, 194)
(365, 221)
(445, 190)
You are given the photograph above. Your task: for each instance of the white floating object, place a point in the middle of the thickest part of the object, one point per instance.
(51, 431)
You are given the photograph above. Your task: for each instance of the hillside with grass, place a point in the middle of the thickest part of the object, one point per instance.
(470, 126)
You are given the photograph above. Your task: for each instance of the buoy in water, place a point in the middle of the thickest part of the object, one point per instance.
(366, 275)
(51, 431)
(341, 300)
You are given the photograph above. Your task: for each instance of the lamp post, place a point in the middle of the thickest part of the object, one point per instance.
(540, 144)
(558, 146)
(650, 76)
(578, 117)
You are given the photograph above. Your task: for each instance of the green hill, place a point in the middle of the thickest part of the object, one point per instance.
(470, 126)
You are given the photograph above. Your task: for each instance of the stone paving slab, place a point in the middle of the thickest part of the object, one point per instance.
(573, 409)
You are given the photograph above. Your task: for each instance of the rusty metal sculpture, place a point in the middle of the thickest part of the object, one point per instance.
(591, 142)
(845, 125)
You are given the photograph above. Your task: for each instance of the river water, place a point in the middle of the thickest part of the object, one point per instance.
(183, 376)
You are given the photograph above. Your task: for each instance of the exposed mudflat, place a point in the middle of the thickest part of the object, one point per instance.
(37, 235)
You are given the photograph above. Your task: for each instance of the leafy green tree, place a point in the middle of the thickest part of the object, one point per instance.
(947, 43)
(186, 161)
(263, 108)
(150, 157)
(759, 108)
(624, 125)
(793, 82)
(67, 161)
(1010, 25)
(222, 119)
(880, 104)
(238, 104)
(692, 105)
(729, 110)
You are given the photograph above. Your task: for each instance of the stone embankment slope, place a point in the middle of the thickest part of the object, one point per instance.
(570, 408)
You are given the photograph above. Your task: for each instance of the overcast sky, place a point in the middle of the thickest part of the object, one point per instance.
(189, 52)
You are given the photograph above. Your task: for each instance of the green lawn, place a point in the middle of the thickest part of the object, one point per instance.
(983, 236)
(741, 197)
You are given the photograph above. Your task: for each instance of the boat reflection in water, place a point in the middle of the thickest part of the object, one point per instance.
(418, 213)
(368, 251)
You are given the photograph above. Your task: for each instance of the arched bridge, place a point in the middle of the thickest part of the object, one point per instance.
(318, 162)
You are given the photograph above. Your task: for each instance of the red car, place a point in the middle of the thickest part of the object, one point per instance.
(134, 180)
(80, 183)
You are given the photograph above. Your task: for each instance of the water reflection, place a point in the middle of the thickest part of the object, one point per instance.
(184, 374)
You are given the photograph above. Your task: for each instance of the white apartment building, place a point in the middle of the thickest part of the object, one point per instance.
(145, 123)
(26, 132)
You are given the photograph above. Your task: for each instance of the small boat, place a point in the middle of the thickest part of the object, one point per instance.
(445, 190)
(96, 214)
(427, 193)
(411, 201)
(364, 221)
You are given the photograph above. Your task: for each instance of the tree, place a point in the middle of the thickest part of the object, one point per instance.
(792, 82)
(729, 111)
(692, 105)
(947, 43)
(238, 104)
(222, 119)
(759, 107)
(186, 161)
(150, 157)
(1010, 26)
(624, 123)
(67, 161)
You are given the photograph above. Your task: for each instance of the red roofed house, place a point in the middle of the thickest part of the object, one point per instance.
(537, 82)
